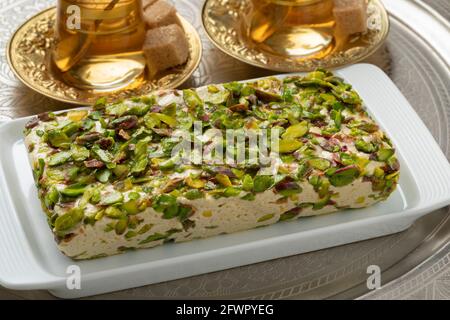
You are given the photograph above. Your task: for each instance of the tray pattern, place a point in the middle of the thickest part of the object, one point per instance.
(421, 76)
(441, 6)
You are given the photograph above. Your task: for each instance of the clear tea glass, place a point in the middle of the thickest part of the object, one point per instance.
(99, 43)
(297, 28)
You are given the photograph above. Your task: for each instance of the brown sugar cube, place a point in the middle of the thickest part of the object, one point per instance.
(160, 14)
(165, 47)
(146, 3)
(350, 16)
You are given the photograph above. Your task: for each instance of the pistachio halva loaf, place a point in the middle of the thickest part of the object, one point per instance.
(109, 180)
(160, 14)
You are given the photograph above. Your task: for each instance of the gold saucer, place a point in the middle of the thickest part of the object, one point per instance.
(28, 55)
(226, 24)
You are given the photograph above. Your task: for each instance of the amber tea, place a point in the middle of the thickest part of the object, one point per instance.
(99, 43)
(298, 28)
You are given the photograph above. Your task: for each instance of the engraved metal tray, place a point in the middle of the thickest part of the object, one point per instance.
(416, 261)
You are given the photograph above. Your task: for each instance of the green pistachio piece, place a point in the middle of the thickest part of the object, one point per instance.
(59, 158)
(219, 97)
(96, 196)
(267, 97)
(140, 165)
(130, 234)
(223, 180)
(238, 173)
(346, 159)
(291, 214)
(131, 207)
(114, 213)
(121, 170)
(248, 197)
(39, 171)
(71, 128)
(79, 153)
(344, 176)
(138, 109)
(74, 190)
(100, 103)
(324, 187)
(368, 127)
(385, 154)
(51, 197)
(121, 226)
(141, 180)
(112, 198)
(195, 183)
(151, 121)
(184, 212)
(330, 171)
(192, 99)
(68, 220)
(314, 181)
(337, 117)
(361, 163)
(170, 121)
(57, 138)
(289, 145)
(378, 172)
(318, 74)
(231, 192)
(169, 164)
(167, 204)
(103, 175)
(287, 189)
(150, 100)
(287, 95)
(213, 89)
(103, 155)
(247, 183)
(153, 237)
(319, 163)
(134, 195)
(193, 194)
(234, 87)
(145, 228)
(321, 204)
(247, 91)
(141, 147)
(363, 146)
(262, 183)
(296, 131)
(266, 217)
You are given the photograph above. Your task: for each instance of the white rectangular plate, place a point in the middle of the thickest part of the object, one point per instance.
(29, 258)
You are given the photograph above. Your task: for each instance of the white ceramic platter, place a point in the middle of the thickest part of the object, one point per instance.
(29, 258)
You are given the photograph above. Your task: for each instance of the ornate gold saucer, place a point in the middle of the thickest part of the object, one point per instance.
(226, 24)
(28, 54)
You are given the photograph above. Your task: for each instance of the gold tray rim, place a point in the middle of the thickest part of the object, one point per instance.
(24, 80)
(386, 27)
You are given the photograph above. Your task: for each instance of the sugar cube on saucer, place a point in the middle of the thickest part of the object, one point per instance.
(350, 16)
(165, 47)
(160, 14)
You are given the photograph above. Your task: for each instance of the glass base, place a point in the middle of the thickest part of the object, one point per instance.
(105, 73)
(299, 42)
